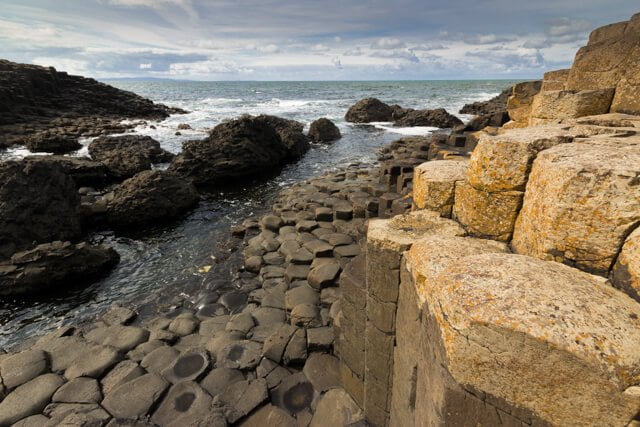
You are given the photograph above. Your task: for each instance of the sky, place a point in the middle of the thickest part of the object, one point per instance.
(303, 39)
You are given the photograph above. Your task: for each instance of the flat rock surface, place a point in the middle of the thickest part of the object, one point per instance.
(29, 399)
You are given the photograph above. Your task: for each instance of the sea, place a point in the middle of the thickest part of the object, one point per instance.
(184, 260)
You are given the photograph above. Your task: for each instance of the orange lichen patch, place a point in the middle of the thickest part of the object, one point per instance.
(539, 334)
(434, 184)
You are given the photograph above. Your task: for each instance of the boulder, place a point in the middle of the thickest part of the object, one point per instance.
(434, 184)
(126, 155)
(149, 197)
(523, 330)
(626, 271)
(369, 110)
(519, 103)
(581, 203)
(554, 105)
(497, 104)
(39, 203)
(49, 266)
(555, 80)
(55, 144)
(323, 130)
(84, 171)
(439, 118)
(239, 149)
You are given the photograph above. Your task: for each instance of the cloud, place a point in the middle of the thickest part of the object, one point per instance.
(269, 48)
(212, 66)
(71, 66)
(319, 48)
(388, 43)
(146, 66)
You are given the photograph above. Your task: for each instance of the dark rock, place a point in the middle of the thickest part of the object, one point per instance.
(40, 203)
(434, 118)
(49, 266)
(493, 105)
(84, 171)
(369, 110)
(184, 126)
(55, 144)
(323, 130)
(126, 155)
(149, 197)
(241, 149)
(324, 275)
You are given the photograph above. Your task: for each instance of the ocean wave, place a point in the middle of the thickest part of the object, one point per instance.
(414, 130)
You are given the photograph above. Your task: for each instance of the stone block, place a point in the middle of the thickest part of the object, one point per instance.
(555, 105)
(434, 185)
(485, 214)
(581, 203)
(626, 271)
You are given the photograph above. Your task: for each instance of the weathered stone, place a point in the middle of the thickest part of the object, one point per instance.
(323, 275)
(189, 366)
(347, 251)
(219, 379)
(117, 315)
(434, 185)
(38, 420)
(306, 226)
(294, 394)
(301, 295)
(186, 400)
(272, 222)
(554, 105)
(296, 272)
(138, 353)
(502, 162)
(93, 363)
(369, 110)
(76, 414)
(133, 399)
(304, 314)
(239, 355)
(319, 248)
(21, 367)
(336, 408)
(276, 344)
(273, 258)
(124, 338)
(485, 214)
(159, 359)
(568, 214)
(337, 239)
(79, 390)
(323, 371)
(296, 351)
(626, 271)
(216, 324)
(324, 214)
(587, 354)
(319, 339)
(242, 397)
(183, 326)
(63, 350)
(323, 130)
(269, 415)
(519, 104)
(29, 399)
(121, 373)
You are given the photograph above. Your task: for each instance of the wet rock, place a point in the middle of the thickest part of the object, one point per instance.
(83, 170)
(323, 371)
(79, 390)
(273, 258)
(272, 222)
(234, 301)
(29, 399)
(63, 350)
(117, 315)
(253, 264)
(433, 118)
(150, 197)
(369, 110)
(21, 367)
(216, 324)
(242, 322)
(189, 366)
(123, 338)
(55, 144)
(210, 310)
(294, 394)
(241, 148)
(121, 373)
(184, 325)
(324, 275)
(159, 359)
(219, 379)
(186, 400)
(50, 266)
(243, 355)
(133, 399)
(40, 204)
(93, 363)
(242, 397)
(337, 408)
(320, 339)
(126, 155)
(323, 130)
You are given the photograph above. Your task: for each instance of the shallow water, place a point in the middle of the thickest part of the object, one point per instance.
(185, 256)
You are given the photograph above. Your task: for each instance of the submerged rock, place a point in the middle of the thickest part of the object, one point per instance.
(148, 197)
(369, 110)
(39, 203)
(436, 118)
(126, 155)
(51, 265)
(323, 130)
(242, 148)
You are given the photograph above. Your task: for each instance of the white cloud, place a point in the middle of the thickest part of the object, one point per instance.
(146, 66)
(388, 43)
(212, 66)
(71, 66)
(319, 48)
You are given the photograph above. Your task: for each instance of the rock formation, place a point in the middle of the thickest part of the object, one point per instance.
(369, 110)
(433, 118)
(241, 149)
(323, 130)
(126, 155)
